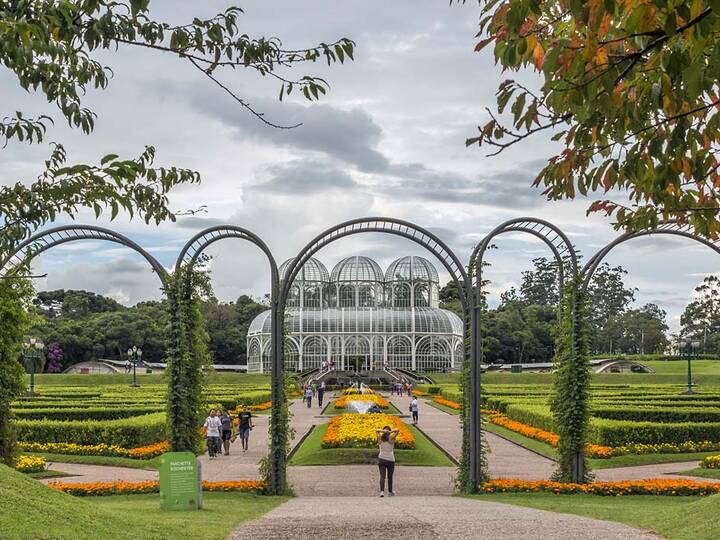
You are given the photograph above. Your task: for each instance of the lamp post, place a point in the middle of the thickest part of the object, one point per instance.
(32, 352)
(689, 347)
(134, 354)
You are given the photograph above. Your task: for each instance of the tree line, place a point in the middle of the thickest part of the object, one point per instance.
(87, 326)
(523, 327)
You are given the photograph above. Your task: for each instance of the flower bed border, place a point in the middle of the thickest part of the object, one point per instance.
(653, 486)
(100, 489)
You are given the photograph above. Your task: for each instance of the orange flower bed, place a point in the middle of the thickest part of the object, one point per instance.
(359, 431)
(419, 393)
(655, 486)
(447, 403)
(341, 402)
(553, 439)
(97, 489)
(150, 451)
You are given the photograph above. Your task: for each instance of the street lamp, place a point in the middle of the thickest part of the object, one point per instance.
(134, 354)
(32, 352)
(689, 347)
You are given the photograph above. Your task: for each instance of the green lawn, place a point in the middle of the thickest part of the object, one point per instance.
(78, 379)
(48, 474)
(703, 473)
(28, 509)
(312, 453)
(696, 518)
(149, 464)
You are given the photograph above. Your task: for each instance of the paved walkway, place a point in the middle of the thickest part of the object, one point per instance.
(98, 473)
(424, 518)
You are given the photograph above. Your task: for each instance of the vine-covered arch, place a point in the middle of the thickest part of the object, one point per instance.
(278, 423)
(49, 238)
(561, 248)
(668, 228)
(471, 468)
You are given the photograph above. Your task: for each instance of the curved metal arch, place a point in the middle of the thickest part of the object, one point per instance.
(560, 245)
(44, 240)
(194, 247)
(550, 234)
(394, 226)
(188, 255)
(668, 227)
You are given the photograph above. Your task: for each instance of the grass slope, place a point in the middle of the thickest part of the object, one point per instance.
(312, 453)
(673, 517)
(28, 509)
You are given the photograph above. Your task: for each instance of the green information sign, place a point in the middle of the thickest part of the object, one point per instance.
(180, 481)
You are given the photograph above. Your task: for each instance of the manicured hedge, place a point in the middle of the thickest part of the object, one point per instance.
(87, 413)
(126, 432)
(661, 415)
(619, 432)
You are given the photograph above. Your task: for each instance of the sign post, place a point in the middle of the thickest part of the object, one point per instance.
(180, 481)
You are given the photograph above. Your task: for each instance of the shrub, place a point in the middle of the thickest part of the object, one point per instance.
(86, 413)
(126, 432)
(433, 389)
(710, 462)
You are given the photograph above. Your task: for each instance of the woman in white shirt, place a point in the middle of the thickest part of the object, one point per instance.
(386, 457)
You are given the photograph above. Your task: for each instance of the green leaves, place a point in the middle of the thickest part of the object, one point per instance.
(631, 90)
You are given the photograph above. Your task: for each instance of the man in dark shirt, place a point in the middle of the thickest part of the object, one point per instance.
(245, 426)
(226, 435)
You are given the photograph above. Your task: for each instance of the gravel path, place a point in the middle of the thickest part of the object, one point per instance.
(424, 518)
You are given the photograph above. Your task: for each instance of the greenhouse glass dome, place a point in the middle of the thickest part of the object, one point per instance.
(362, 318)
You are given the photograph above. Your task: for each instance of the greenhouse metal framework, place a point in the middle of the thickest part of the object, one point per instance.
(362, 318)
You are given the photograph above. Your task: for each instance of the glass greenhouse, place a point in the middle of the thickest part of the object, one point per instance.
(362, 319)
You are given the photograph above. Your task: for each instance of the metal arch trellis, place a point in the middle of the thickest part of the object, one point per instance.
(668, 227)
(449, 260)
(188, 256)
(42, 241)
(561, 247)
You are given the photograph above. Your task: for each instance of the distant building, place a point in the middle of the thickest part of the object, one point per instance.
(362, 318)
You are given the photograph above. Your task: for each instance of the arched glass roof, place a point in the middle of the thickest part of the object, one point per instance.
(312, 270)
(357, 269)
(354, 321)
(411, 268)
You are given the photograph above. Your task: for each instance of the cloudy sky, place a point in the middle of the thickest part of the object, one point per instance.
(388, 140)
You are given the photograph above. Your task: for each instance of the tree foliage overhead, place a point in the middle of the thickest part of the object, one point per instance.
(629, 88)
(52, 47)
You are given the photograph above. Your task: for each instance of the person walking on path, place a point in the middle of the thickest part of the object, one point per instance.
(321, 393)
(213, 425)
(246, 425)
(386, 457)
(414, 409)
(308, 396)
(226, 422)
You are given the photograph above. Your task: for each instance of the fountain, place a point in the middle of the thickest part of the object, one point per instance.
(360, 407)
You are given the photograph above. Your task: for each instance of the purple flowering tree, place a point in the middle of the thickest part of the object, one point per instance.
(54, 358)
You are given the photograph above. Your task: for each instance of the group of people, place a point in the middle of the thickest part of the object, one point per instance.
(328, 365)
(312, 390)
(401, 387)
(220, 431)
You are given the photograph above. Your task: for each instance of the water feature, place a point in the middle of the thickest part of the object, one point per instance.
(361, 407)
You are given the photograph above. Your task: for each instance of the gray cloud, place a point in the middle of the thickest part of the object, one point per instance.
(306, 178)
(348, 135)
(198, 222)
